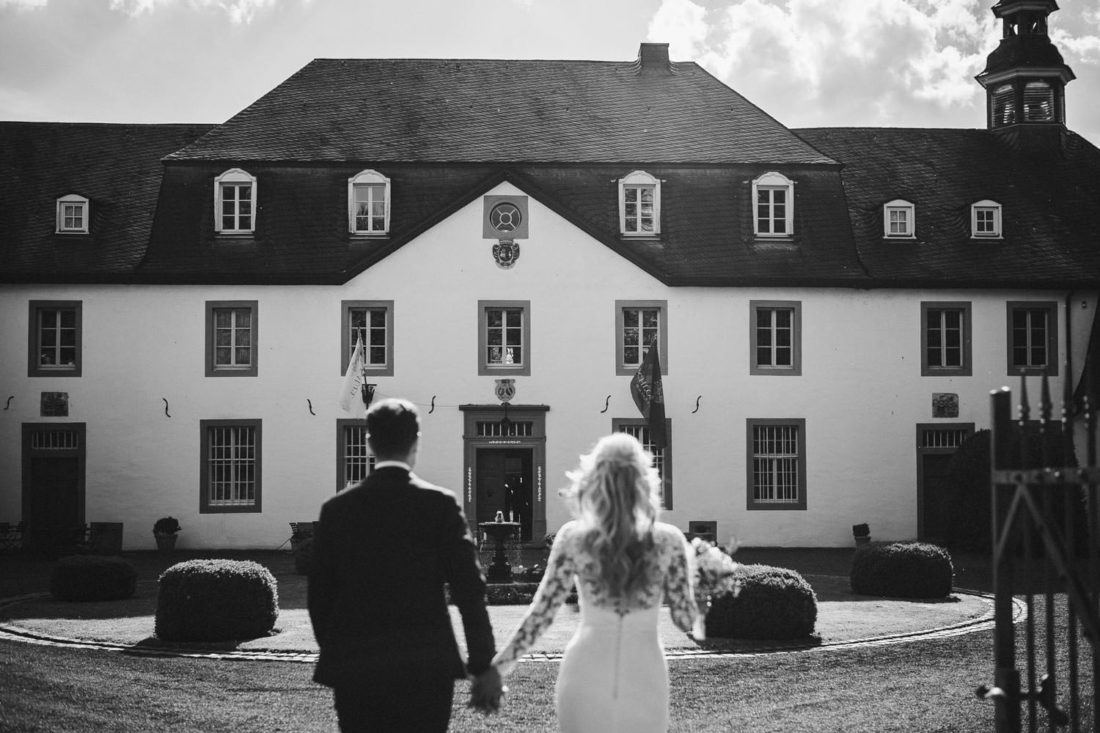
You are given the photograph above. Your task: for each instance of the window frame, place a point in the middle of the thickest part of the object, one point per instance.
(368, 177)
(212, 369)
(622, 368)
(617, 426)
(773, 181)
(753, 504)
(72, 199)
(910, 211)
(641, 181)
(966, 368)
(986, 205)
(795, 369)
(205, 504)
(235, 177)
(1051, 309)
(347, 344)
(484, 368)
(35, 368)
(342, 426)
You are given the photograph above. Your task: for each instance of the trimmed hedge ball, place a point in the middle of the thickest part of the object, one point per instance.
(216, 600)
(92, 578)
(902, 570)
(774, 603)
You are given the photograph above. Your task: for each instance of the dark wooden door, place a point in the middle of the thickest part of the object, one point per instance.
(504, 485)
(55, 502)
(936, 509)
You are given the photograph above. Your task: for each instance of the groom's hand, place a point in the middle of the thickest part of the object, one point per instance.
(486, 691)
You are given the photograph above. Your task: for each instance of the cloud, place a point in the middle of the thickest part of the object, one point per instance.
(239, 11)
(23, 4)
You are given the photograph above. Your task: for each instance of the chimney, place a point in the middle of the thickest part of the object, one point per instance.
(653, 57)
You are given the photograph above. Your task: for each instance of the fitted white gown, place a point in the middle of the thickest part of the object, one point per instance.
(613, 676)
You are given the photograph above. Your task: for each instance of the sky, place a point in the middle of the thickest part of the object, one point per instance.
(807, 63)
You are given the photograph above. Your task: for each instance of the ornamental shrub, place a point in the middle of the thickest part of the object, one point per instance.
(92, 578)
(773, 603)
(902, 570)
(216, 600)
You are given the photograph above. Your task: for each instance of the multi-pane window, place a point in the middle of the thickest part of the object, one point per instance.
(775, 338)
(368, 203)
(662, 457)
(638, 324)
(504, 337)
(354, 459)
(55, 339)
(234, 202)
(639, 204)
(945, 339)
(985, 220)
(897, 219)
(1032, 338)
(371, 321)
(72, 215)
(773, 201)
(231, 338)
(776, 464)
(230, 466)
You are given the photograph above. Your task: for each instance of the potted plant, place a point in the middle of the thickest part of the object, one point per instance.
(164, 530)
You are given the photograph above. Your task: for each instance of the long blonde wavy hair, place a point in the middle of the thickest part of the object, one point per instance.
(615, 496)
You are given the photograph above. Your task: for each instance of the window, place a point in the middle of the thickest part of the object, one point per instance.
(773, 194)
(234, 202)
(637, 324)
(776, 337)
(372, 320)
(353, 457)
(985, 220)
(662, 457)
(1003, 106)
(54, 329)
(639, 204)
(1038, 102)
(898, 219)
(72, 215)
(945, 339)
(369, 203)
(230, 466)
(1033, 337)
(776, 463)
(504, 337)
(231, 336)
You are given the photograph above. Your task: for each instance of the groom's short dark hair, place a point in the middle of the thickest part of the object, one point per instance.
(393, 426)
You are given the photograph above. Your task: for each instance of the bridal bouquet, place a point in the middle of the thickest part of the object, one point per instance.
(715, 571)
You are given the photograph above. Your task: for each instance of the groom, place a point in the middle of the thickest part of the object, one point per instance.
(382, 553)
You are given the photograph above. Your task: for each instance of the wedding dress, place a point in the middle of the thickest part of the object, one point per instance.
(613, 676)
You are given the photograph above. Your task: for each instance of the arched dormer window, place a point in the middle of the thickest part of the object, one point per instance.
(639, 205)
(72, 214)
(898, 220)
(368, 203)
(985, 220)
(234, 202)
(773, 201)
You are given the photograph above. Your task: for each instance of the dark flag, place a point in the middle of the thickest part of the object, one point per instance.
(649, 395)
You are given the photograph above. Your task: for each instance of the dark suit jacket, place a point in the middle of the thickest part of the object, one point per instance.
(381, 555)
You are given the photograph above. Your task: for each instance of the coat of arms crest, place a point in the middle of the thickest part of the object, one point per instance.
(506, 252)
(505, 390)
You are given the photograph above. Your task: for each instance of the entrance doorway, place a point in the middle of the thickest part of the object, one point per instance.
(936, 444)
(53, 485)
(504, 483)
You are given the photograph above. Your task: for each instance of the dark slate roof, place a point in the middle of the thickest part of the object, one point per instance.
(477, 111)
(115, 166)
(1050, 198)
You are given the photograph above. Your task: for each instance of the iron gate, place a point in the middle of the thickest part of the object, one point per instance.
(1045, 530)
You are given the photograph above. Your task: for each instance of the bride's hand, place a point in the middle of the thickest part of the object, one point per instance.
(486, 691)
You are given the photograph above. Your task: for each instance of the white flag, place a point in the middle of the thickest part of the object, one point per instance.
(351, 394)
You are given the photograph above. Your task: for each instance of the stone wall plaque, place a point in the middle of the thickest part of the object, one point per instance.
(945, 404)
(55, 404)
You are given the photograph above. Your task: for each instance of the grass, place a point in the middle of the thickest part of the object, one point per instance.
(921, 686)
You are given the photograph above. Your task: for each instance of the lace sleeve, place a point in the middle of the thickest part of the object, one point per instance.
(552, 591)
(679, 584)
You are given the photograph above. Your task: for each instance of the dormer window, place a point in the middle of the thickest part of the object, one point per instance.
(897, 220)
(985, 220)
(773, 194)
(368, 203)
(639, 205)
(234, 202)
(72, 214)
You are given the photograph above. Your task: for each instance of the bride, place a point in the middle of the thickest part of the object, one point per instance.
(613, 675)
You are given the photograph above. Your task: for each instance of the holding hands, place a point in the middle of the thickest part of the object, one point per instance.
(486, 691)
